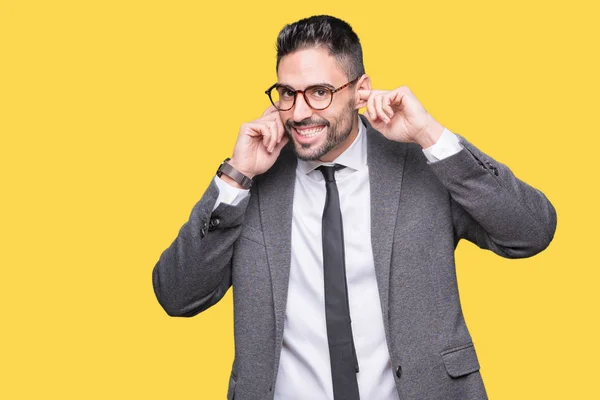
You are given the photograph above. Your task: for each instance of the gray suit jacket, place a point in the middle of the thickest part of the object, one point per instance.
(419, 212)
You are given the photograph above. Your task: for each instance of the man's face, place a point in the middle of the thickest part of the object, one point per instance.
(320, 134)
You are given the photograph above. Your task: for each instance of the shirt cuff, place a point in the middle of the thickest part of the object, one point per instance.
(447, 145)
(229, 194)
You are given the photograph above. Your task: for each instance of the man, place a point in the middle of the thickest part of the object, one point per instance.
(337, 232)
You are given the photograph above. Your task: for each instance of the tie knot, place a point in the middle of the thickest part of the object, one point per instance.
(329, 171)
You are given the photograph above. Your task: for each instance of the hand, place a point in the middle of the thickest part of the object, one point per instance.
(399, 116)
(259, 143)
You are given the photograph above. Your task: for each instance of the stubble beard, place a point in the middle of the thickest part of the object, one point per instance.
(337, 132)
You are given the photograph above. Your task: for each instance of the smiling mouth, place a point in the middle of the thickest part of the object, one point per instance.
(309, 131)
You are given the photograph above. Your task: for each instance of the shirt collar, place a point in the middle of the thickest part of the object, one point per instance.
(354, 157)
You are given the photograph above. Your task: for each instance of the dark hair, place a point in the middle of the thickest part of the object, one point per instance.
(329, 32)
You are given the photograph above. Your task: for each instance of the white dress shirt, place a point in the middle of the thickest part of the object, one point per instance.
(304, 369)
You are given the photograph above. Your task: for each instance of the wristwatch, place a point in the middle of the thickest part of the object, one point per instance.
(227, 169)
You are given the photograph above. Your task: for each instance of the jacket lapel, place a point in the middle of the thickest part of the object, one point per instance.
(386, 166)
(275, 193)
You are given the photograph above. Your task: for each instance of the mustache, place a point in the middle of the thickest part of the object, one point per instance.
(305, 122)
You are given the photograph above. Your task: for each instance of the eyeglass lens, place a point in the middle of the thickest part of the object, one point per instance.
(317, 97)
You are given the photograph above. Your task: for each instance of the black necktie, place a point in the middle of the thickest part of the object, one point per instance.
(344, 364)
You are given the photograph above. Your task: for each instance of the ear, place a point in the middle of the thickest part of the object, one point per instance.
(364, 83)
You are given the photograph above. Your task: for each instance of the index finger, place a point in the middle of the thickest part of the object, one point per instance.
(364, 94)
(269, 110)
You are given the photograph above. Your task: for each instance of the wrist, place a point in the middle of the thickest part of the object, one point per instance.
(430, 134)
(233, 162)
(233, 176)
(231, 182)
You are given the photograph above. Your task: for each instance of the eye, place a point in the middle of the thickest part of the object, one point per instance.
(286, 93)
(319, 93)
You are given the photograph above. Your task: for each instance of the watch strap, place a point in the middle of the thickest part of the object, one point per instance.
(234, 174)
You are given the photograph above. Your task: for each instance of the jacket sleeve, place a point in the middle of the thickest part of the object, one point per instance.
(492, 208)
(194, 272)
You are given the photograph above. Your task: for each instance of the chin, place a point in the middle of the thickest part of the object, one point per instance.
(307, 152)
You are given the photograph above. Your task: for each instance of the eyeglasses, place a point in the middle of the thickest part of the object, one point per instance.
(318, 97)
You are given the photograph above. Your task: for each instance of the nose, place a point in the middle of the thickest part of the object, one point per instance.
(301, 109)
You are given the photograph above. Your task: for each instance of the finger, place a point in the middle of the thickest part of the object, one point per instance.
(252, 129)
(273, 139)
(275, 125)
(263, 128)
(379, 109)
(363, 94)
(371, 108)
(398, 96)
(280, 128)
(387, 106)
(270, 110)
(280, 145)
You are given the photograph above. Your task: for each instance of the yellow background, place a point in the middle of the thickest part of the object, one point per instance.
(114, 116)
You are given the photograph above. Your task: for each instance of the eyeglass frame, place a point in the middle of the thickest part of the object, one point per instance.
(333, 91)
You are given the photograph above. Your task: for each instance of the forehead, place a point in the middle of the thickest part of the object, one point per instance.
(309, 66)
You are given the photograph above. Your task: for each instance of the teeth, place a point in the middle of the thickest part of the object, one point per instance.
(309, 132)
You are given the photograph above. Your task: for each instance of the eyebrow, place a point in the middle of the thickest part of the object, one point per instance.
(327, 85)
